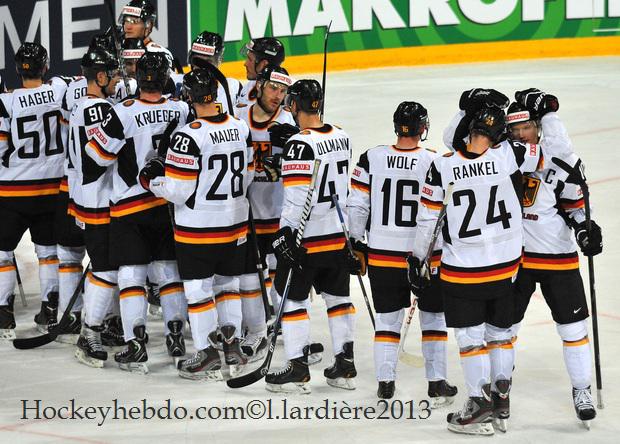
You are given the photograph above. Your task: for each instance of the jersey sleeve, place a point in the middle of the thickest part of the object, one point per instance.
(297, 164)
(251, 166)
(182, 168)
(358, 203)
(5, 125)
(450, 131)
(555, 141)
(107, 140)
(528, 157)
(431, 200)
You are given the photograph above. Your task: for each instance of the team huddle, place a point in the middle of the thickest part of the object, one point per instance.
(226, 205)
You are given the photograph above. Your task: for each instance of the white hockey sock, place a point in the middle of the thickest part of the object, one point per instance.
(201, 310)
(8, 277)
(69, 274)
(131, 281)
(252, 303)
(99, 290)
(114, 309)
(295, 328)
(577, 353)
(474, 358)
(341, 319)
(48, 269)
(501, 353)
(387, 339)
(434, 341)
(228, 301)
(173, 303)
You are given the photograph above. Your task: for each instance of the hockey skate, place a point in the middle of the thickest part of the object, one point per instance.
(441, 393)
(254, 345)
(204, 365)
(89, 349)
(175, 343)
(215, 339)
(342, 372)
(584, 405)
(291, 379)
(234, 357)
(152, 296)
(476, 416)
(134, 357)
(48, 313)
(314, 353)
(386, 389)
(112, 334)
(501, 405)
(71, 332)
(7, 320)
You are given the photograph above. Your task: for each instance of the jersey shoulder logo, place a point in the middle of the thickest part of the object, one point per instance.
(195, 125)
(129, 102)
(530, 190)
(448, 155)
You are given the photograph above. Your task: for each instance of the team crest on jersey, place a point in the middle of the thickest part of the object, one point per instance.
(530, 190)
(195, 125)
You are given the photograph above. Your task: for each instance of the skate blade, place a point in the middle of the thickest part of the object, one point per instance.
(7, 334)
(208, 375)
(135, 367)
(41, 328)
(438, 402)
(82, 357)
(290, 388)
(343, 383)
(67, 338)
(500, 424)
(479, 428)
(315, 358)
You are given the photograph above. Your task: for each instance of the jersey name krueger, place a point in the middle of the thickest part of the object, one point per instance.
(483, 236)
(385, 187)
(265, 196)
(208, 170)
(33, 132)
(332, 145)
(127, 138)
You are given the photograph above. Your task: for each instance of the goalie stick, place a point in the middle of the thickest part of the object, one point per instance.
(261, 372)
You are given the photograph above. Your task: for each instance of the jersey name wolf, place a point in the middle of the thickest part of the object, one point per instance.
(483, 230)
(128, 137)
(91, 186)
(332, 146)
(32, 137)
(385, 195)
(208, 171)
(265, 196)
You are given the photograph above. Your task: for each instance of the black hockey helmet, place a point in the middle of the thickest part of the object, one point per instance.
(31, 60)
(105, 41)
(209, 45)
(152, 71)
(265, 48)
(517, 113)
(132, 48)
(307, 94)
(410, 120)
(200, 85)
(142, 9)
(99, 60)
(276, 74)
(490, 122)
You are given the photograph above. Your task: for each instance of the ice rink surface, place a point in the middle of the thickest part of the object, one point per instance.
(362, 103)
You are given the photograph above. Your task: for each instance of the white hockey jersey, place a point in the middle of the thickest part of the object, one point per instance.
(332, 145)
(247, 96)
(208, 170)
(265, 196)
(234, 88)
(128, 137)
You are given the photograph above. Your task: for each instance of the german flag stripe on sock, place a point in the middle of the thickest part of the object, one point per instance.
(64, 185)
(538, 261)
(70, 268)
(180, 173)
(387, 336)
(434, 335)
(250, 294)
(5, 268)
(291, 180)
(52, 260)
(201, 306)
(357, 185)
(29, 188)
(385, 258)
(95, 280)
(99, 151)
(506, 346)
(577, 343)
(341, 310)
(92, 216)
(213, 235)
(266, 226)
(173, 287)
(296, 315)
(479, 275)
(321, 244)
(430, 204)
(227, 296)
(135, 204)
(570, 204)
(475, 352)
(131, 292)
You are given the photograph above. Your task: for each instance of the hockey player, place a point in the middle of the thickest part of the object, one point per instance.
(140, 230)
(396, 174)
(31, 149)
(207, 171)
(480, 257)
(552, 206)
(321, 260)
(265, 195)
(90, 190)
(258, 54)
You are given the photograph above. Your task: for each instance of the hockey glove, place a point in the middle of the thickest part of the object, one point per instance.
(153, 168)
(285, 249)
(273, 167)
(357, 262)
(279, 134)
(591, 243)
(475, 99)
(537, 102)
(416, 273)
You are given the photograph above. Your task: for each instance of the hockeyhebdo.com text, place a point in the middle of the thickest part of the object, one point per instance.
(256, 409)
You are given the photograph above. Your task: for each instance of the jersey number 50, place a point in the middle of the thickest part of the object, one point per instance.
(52, 146)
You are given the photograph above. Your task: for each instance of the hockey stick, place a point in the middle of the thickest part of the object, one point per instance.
(260, 270)
(325, 67)
(117, 45)
(404, 356)
(350, 248)
(261, 372)
(50, 336)
(20, 286)
(576, 175)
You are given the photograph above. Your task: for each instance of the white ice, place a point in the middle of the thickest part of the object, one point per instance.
(362, 102)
